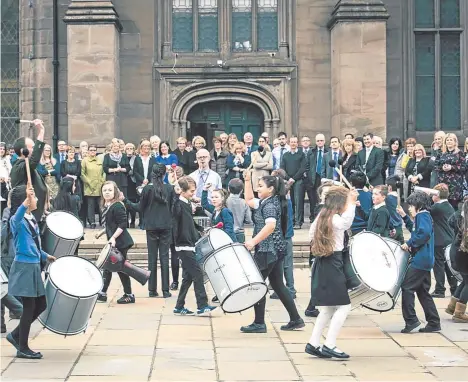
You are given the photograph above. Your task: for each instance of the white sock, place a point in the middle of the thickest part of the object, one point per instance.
(321, 322)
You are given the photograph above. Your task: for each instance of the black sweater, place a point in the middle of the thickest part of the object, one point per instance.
(295, 165)
(441, 214)
(116, 217)
(120, 178)
(379, 221)
(184, 230)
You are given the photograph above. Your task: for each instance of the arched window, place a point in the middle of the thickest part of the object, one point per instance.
(437, 64)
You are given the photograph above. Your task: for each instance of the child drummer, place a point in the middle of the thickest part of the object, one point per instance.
(185, 236)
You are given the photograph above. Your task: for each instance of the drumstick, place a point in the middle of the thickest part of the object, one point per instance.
(25, 152)
(332, 163)
(174, 167)
(23, 121)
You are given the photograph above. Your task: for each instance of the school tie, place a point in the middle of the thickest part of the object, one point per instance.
(202, 177)
(335, 158)
(319, 163)
(103, 216)
(62, 157)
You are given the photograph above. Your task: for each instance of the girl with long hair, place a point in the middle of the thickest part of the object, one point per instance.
(114, 218)
(459, 260)
(329, 291)
(49, 168)
(218, 210)
(269, 243)
(155, 209)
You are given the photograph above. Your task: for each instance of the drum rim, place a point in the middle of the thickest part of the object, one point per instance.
(63, 333)
(108, 254)
(448, 260)
(382, 311)
(49, 279)
(69, 213)
(238, 289)
(354, 268)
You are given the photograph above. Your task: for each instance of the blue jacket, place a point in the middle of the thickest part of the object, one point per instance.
(169, 161)
(290, 230)
(225, 216)
(391, 201)
(56, 172)
(360, 219)
(26, 248)
(422, 239)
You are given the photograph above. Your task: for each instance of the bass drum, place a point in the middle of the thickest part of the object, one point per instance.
(456, 274)
(62, 234)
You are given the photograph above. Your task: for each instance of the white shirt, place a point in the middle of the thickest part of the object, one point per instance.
(377, 206)
(368, 151)
(341, 223)
(211, 177)
(277, 155)
(145, 162)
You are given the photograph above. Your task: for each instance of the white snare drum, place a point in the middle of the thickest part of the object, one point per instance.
(4, 281)
(62, 234)
(380, 266)
(387, 301)
(448, 260)
(71, 293)
(235, 278)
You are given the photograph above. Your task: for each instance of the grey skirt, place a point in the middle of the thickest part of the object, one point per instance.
(25, 280)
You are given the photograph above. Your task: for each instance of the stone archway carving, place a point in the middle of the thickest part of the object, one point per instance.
(221, 91)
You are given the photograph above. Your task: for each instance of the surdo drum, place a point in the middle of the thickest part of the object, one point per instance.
(235, 277)
(62, 234)
(380, 265)
(213, 239)
(448, 260)
(71, 293)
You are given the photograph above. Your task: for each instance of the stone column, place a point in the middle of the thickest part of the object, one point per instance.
(359, 67)
(93, 71)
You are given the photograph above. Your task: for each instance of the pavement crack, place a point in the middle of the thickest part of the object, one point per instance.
(156, 342)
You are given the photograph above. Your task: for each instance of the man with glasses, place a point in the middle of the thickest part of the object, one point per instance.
(204, 175)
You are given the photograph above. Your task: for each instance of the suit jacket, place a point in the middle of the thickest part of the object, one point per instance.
(19, 177)
(138, 170)
(327, 171)
(425, 167)
(349, 166)
(311, 169)
(116, 217)
(251, 149)
(374, 165)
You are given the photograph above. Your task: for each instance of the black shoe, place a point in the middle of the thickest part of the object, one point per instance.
(102, 297)
(3, 329)
(174, 285)
(215, 299)
(12, 341)
(333, 353)
(28, 354)
(312, 313)
(293, 325)
(167, 294)
(409, 328)
(126, 299)
(254, 328)
(132, 225)
(274, 296)
(93, 226)
(316, 351)
(14, 316)
(430, 329)
(297, 226)
(153, 294)
(437, 295)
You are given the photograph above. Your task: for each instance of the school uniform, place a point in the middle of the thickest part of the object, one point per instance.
(441, 212)
(362, 211)
(379, 220)
(241, 213)
(418, 278)
(223, 216)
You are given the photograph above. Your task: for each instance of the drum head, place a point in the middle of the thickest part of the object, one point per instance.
(219, 238)
(103, 256)
(374, 262)
(76, 276)
(65, 225)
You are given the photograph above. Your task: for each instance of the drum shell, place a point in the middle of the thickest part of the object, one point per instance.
(57, 246)
(209, 243)
(235, 278)
(65, 314)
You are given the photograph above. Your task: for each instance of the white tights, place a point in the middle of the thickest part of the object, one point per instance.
(336, 316)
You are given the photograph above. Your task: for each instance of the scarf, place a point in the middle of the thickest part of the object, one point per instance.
(115, 157)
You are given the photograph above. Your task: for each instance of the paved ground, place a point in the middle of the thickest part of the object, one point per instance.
(146, 342)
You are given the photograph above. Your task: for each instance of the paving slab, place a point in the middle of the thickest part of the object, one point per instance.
(420, 339)
(258, 371)
(310, 366)
(396, 376)
(139, 366)
(449, 373)
(439, 356)
(38, 370)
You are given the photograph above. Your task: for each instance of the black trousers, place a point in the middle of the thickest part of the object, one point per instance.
(441, 269)
(124, 278)
(32, 308)
(297, 199)
(462, 290)
(191, 272)
(175, 264)
(159, 242)
(419, 282)
(314, 197)
(274, 272)
(309, 189)
(92, 204)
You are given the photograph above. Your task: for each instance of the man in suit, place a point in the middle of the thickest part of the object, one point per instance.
(314, 167)
(307, 185)
(371, 161)
(334, 154)
(248, 141)
(61, 154)
(18, 173)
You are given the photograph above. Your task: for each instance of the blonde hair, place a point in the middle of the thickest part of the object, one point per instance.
(455, 138)
(238, 145)
(181, 140)
(352, 142)
(420, 147)
(52, 159)
(200, 139)
(130, 146)
(442, 135)
(229, 145)
(465, 148)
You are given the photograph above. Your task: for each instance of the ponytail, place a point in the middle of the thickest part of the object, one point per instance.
(157, 176)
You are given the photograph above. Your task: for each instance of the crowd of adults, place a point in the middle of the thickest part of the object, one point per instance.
(305, 165)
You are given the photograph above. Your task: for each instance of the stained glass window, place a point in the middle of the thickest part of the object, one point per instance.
(9, 74)
(242, 25)
(207, 25)
(267, 25)
(182, 26)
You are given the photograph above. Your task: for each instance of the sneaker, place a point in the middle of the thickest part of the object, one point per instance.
(409, 328)
(254, 328)
(316, 351)
(102, 297)
(430, 329)
(207, 309)
(174, 285)
(437, 295)
(215, 299)
(153, 294)
(167, 294)
(293, 325)
(183, 312)
(312, 313)
(126, 299)
(274, 296)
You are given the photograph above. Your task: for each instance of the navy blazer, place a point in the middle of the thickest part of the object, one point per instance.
(327, 171)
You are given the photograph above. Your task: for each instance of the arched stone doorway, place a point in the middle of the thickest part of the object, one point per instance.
(210, 119)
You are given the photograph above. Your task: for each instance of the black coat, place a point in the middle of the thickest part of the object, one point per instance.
(120, 178)
(458, 258)
(329, 281)
(349, 166)
(187, 160)
(116, 217)
(73, 168)
(425, 167)
(139, 171)
(19, 177)
(374, 165)
(311, 165)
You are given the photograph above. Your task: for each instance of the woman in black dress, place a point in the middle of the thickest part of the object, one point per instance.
(419, 168)
(71, 167)
(117, 167)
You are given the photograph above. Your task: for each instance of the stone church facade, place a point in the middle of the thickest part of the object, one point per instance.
(93, 70)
